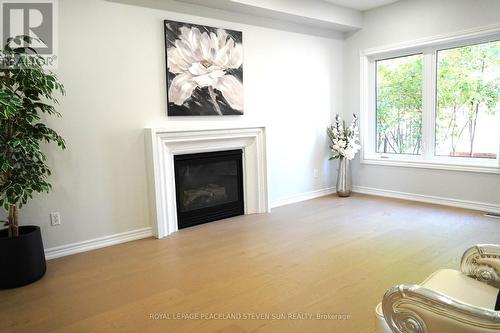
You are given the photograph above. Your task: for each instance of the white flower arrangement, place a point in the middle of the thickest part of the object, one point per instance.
(344, 141)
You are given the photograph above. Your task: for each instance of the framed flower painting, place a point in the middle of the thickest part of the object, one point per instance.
(204, 70)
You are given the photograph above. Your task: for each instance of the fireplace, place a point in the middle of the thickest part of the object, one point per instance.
(208, 186)
(165, 144)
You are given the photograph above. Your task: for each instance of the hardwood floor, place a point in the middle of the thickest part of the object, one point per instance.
(324, 256)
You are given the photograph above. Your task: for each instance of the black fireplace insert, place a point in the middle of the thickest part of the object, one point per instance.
(208, 186)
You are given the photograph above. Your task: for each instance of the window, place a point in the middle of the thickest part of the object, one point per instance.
(399, 105)
(435, 105)
(468, 88)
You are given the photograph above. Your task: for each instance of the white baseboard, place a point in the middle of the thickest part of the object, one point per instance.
(302, 197)
(96, 243)
(484, 207)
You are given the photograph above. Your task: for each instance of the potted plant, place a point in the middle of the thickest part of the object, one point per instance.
(344, 146)
(27, 91)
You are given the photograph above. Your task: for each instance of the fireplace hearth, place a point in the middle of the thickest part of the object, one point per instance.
(208, 186)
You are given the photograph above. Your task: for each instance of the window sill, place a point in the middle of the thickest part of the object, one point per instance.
(438, 165)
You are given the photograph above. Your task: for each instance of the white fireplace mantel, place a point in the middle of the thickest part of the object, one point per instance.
(163, 144)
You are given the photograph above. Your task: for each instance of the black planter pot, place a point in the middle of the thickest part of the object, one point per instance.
(22, 259)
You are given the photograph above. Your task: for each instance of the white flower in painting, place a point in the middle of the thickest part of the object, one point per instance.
(201, 60)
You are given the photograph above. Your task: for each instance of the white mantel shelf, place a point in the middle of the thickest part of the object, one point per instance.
(164, 143)
(182, 126)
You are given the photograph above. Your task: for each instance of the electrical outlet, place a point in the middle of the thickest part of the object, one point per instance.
(55, 218)
(316, 173)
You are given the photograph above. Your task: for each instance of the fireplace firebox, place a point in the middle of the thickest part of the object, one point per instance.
(208, 186)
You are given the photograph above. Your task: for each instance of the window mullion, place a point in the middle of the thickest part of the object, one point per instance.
(498, 148)
(428, 104)
(372, 105)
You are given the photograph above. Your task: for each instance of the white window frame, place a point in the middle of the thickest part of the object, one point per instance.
(429, 48)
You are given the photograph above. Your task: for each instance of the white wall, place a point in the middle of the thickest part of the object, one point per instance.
(111, 60)
(401, 22)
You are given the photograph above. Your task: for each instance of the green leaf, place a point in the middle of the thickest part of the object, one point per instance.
(27, 90)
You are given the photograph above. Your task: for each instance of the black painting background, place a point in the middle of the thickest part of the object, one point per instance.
(199, 104)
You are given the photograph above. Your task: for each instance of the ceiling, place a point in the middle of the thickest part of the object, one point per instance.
(317, 14)
(361, 4)
(327, 18)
